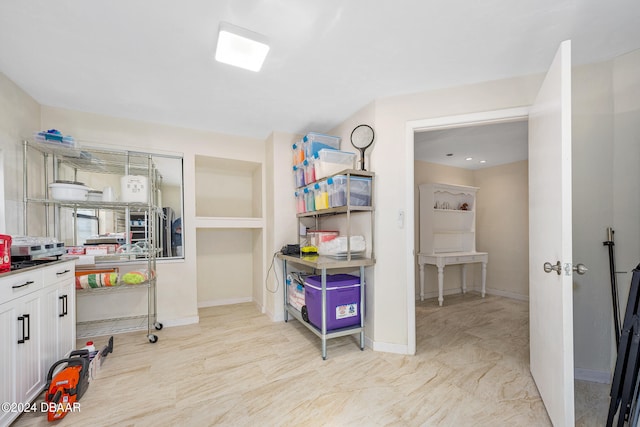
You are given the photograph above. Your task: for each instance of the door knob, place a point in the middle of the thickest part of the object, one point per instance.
(548, 267)
(580, 269)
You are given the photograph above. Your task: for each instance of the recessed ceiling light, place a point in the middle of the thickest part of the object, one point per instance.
(241, 47)
(469, 158)
(483, 161)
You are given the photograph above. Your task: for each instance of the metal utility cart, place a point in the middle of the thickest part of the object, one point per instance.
(55, 157)
(321, 264)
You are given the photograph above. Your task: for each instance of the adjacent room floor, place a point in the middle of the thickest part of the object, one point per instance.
(238, 368)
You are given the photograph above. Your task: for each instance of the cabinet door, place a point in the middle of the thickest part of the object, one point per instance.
(30, 380)
(49, 328)
(8, 339)
(66, 317)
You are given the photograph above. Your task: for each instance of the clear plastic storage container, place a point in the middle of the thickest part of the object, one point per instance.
(309, 171)
(298, 176)
(300, 204)
(298, 153)
(321, 193)
(315, 237)
(360, 191)
(333, 141)
(309, 200)
(329, 162)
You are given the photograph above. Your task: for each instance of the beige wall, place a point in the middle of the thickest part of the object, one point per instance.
(502, 227)
(19, 117)
(281, 215)
(626, 174)
(225, 259)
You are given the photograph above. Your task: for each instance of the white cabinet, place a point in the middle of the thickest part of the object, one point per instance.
(58, 313)
(447, 218)
(33, 334)
(448, 232)
(7, 358)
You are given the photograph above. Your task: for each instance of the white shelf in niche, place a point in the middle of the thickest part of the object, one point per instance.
(228, 222)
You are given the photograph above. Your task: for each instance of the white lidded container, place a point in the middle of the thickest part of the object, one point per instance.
(68, 190)
(329, 162)
(134, 188)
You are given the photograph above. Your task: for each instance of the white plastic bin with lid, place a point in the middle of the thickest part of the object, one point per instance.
(329, 162)
(360, 191)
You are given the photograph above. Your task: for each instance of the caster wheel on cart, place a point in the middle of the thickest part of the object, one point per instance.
(158, 325)
(153, 338)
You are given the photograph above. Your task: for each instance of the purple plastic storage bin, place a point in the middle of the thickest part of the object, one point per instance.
(343, 300)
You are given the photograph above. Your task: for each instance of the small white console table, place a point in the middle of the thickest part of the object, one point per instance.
(452, 258)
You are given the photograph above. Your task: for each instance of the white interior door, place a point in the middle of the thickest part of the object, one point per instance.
(550, 294)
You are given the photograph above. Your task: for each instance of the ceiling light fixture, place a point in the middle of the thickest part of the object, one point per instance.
(469, 158)
(240, 47)
(483, 161)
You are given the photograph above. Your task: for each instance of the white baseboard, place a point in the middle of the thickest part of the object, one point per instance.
(445, 292)
(506, 294)
(490, 291)
(603, 377)
(180, 322)
(230, 301)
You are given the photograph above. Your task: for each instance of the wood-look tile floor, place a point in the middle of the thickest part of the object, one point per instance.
(238, 368)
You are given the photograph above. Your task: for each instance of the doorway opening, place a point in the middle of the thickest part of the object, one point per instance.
(484, 164)
(413, 128)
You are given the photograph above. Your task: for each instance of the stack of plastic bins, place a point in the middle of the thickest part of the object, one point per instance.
(360, 191)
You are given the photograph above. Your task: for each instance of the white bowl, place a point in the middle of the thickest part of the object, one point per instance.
(63, 191)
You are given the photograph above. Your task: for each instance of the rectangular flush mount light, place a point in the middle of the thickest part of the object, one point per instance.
(240, 47)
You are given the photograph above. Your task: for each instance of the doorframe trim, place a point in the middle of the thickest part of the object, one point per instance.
(438, 123)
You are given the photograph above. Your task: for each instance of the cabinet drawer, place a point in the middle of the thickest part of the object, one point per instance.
(59, 272)
(17, 285)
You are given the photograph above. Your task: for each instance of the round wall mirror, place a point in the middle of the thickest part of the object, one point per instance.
(361, 138)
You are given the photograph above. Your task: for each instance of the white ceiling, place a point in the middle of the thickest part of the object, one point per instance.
(495, 144)
(153, 60)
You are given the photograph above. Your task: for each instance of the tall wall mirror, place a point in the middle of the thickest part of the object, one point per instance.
(133, 201)
(92, 226)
